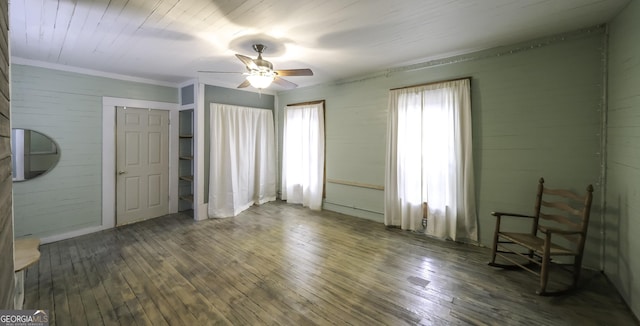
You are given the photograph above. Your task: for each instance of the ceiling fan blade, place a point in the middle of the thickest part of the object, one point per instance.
(295, 72)
(247, 61)
(244, 84)
(219, 72)
(284, 83)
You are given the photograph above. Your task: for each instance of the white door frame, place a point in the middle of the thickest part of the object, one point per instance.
(109, 153)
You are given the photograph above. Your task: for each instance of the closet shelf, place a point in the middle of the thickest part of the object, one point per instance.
(186, 177)
(188, 198)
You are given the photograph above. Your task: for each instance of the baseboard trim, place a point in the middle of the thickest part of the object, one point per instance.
(74, 233)
(354, 211)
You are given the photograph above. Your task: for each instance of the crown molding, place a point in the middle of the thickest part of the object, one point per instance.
(91, 72)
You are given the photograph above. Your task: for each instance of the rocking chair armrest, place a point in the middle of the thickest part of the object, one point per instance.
(498, 214)
(549, 230)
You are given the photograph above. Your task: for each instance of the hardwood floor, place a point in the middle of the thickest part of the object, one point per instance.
(283, 264)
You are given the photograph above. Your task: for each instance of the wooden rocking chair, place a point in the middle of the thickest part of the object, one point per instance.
(558, 229)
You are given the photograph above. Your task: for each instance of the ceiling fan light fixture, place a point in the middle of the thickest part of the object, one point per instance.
(260, 73)
(260, 80)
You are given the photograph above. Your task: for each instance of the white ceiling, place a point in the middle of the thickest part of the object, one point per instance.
(170, 40)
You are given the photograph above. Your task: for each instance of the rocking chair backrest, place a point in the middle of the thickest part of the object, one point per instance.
(564, 209)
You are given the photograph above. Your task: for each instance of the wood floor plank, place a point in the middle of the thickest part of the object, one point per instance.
(146, 311)
(152, 289)
(89, 303)
(272, 267)
(254, 297)
(59, 267)
(31, 286)
(184, 299)
(185, 273)
(280, 264)
(90, 253)
(192, 269)
(45, 285)
(246, 279)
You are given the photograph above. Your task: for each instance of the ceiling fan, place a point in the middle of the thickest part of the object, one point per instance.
(260, 72)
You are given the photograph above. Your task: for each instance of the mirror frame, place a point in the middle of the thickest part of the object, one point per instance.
(21, 154)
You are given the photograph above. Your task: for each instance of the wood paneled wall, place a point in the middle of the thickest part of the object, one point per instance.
(622, 221)
(67, 107)
(536, 110)
(6, 216)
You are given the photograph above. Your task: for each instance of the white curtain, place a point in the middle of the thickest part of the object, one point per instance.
(242, 159)
(429, 159)
(303, 155)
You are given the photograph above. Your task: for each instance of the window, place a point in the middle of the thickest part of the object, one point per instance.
(429, 159)
(303, 154)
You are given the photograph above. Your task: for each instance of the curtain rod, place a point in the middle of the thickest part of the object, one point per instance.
(431, 83)
(306, 103)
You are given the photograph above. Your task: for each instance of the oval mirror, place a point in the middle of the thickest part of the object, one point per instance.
(34, 154)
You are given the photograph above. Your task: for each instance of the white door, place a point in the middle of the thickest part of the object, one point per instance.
(142, 149)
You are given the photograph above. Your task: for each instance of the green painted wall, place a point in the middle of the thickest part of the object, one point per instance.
(623, 156)
(536, 112)
(67, 107)
(216, 94)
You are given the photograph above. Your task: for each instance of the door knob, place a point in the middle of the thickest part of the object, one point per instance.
(122, 172)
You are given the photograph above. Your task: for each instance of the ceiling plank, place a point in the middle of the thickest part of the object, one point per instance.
(173, 39)
(65, 12)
